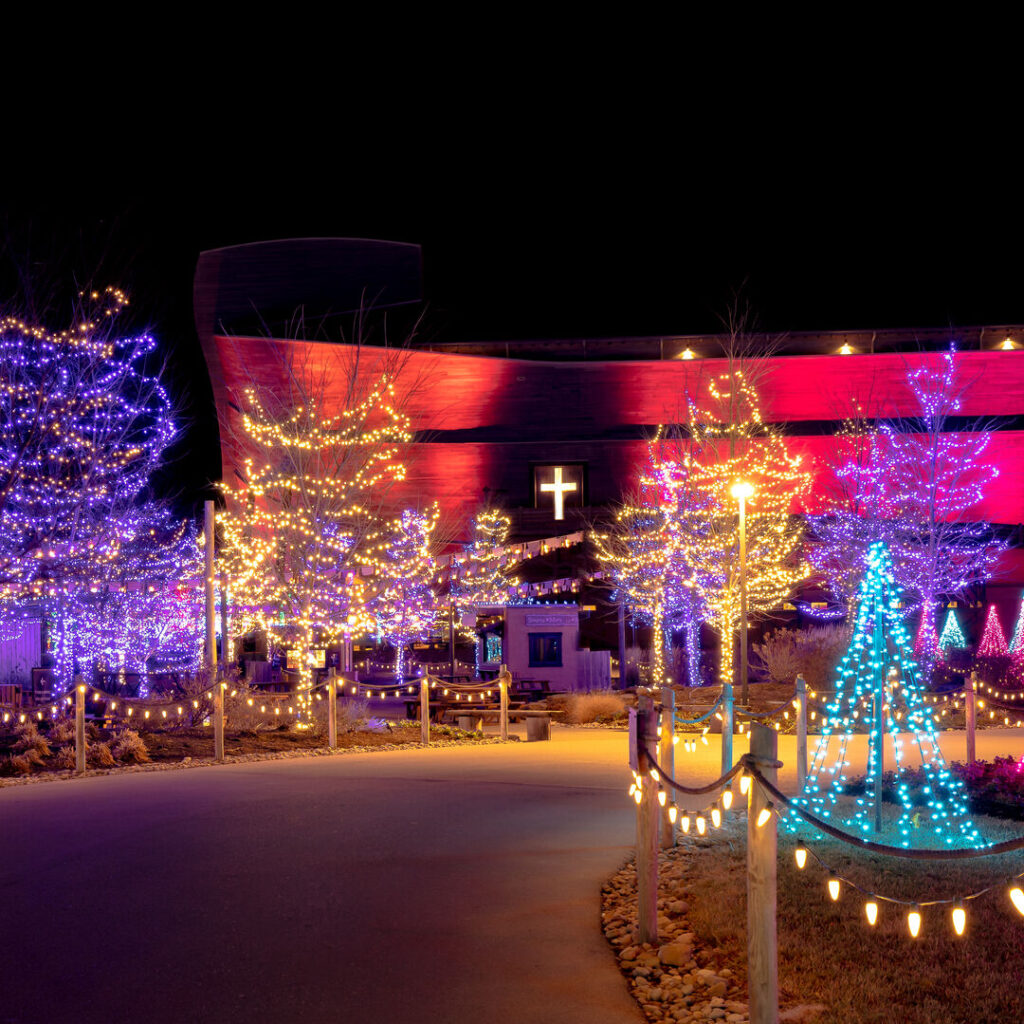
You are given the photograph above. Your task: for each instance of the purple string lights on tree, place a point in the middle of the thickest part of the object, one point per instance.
(405, 605)
(82, 428)
(913, 483)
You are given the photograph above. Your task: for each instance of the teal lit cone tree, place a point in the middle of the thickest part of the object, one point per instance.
(878, 683)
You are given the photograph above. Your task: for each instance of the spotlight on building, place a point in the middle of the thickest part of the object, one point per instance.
(1008, 345)
(846, 349)
(687, 353)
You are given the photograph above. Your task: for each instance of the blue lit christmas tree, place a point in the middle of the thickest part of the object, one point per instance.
(878, 683)
(952, 635)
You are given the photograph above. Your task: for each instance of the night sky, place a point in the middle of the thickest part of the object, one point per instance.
(548, 251)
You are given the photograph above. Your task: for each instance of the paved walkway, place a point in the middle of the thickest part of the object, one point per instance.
(448, 885)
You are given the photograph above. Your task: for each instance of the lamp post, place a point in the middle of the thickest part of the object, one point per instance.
(741, 490)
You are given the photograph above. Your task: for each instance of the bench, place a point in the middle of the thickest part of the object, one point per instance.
(538, 723)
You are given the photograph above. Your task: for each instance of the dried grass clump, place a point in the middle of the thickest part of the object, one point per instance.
(61, 732)
(30, 742)
(100, 756)
(20, 764)
(65, 758)
(129, 746)
(351, 715)
(813, 653)
(593, 707)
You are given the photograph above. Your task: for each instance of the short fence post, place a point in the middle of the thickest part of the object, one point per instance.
(970, 713)
(332, 709)
(80, 693)
(762, 944)
(801, 731)
(647, 825)
(503, 695)
(218, 721)
(667, 757)
(728, 705)
(425, 711)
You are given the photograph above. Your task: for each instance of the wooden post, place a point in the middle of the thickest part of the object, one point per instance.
(647, 825)
(425, 711)
(762, 947)
(211, 627)
(218, 721)
(332, 708)
(801, 731)
(503, 679)
(622, 645)
(80, 694)
(728, 711)
(667, 757)
(971, 713)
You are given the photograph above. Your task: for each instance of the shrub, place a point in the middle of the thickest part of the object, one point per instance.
(61, 732)
(593, 707)
(18, 764)
(813, 653)
(351, 715)
(130, 747)
(100, 756)
(65, 758)
(30, 742)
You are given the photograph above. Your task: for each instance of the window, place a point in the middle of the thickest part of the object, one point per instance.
(545, 650)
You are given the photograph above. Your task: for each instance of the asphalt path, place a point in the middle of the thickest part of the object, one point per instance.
(442, 885)
(445, 885)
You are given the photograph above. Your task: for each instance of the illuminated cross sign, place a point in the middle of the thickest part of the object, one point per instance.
(560, 486)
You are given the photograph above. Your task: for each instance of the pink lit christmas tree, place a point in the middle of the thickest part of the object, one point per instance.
(993, 642)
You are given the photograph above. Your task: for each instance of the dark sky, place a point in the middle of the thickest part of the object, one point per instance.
(531, 249)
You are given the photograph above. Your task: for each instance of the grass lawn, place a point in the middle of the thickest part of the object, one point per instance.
(828, 953)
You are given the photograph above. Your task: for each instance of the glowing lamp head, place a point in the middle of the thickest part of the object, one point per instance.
(744, 784)
(765, 816)
(716, 816)
(662, 797)
(846, 349)
(741, 490)
(871, 911)
(1008, 345)
(914, 921)
(833, 887)
(687, 353)
(959, 919)
(702, 825)
(684, 823)
(801, 855)
(1017, 898)
(727, 799)
(673, 813)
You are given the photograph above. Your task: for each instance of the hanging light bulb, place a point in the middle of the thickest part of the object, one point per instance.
(1017, 898)
(914, 921)
(765, 816)
(685, 823)
(833, 887)
(801, 854)
(871, 910)
(638, 795)
(716, 816)
(744, 784)
(702, 824)
(727, 798)
(662, 797)
(673, 813)
(959, 918)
